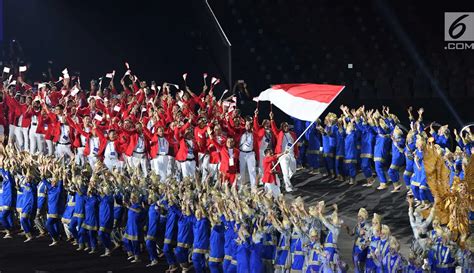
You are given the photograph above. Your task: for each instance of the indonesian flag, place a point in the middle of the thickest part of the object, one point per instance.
(304, 101)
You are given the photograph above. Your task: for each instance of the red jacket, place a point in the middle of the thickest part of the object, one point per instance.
(134, 141)
(225, 166)
(99, 134)
(182, 153)
(155, 145)
(280, 135)
(268, 163)
(54, 129)
(214, 147)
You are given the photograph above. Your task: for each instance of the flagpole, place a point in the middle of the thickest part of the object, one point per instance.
(296, 141)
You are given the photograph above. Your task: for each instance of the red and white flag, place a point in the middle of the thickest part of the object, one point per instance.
(304, 101)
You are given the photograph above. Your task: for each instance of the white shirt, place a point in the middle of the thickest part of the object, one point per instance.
(110, 151)
(64, 134)
(246, 142)
(140, 148)
(163, 146)
(83, 138)
(34, 121)
(266, 141)
(190, 145)
(93, 145)
(287, 142)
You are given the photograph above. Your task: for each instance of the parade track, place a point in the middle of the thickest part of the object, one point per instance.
(36, 256)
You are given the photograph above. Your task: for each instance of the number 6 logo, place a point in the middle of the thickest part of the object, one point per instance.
(457, 24)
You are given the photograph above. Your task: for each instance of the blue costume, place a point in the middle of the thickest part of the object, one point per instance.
(152, 231)
(313, 262)
(256, 254)
(398, 159)
(170, 234)
(392, 263)
(359, 250)
(8, 199)
(200, 244)
(229, 245)
(297, 254)
(69, 210)
(350, 154)
(409, 163)
(445, 262)
(91, 220)
(75, 226)
(340, 149)
(106, 219)
(419, 179)
(184, 238)
(54, 208)
(29, 206)
(133, 233)
(367, 148)
(381, 152)
(242, 256)
(216, 248)
(329, 147)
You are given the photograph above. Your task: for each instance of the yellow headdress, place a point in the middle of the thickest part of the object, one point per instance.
(363, 213)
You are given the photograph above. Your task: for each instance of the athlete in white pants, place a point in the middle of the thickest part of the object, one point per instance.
(36, 140)
(26, 139)
(247, 160)
(139, 159)
(20, 141)
(11, 134)
(288, 168)
(111, 156)
(160, 166)
(188, 168)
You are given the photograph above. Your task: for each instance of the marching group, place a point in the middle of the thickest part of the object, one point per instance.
(187, 177)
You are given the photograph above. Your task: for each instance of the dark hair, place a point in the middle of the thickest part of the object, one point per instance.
(267, 151)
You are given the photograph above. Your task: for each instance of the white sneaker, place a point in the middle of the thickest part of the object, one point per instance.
(7, 236)
(53, 243)
(153, 263)
(106, 254)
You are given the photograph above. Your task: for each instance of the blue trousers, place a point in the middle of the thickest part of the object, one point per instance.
(340, 166)
(92, 234)
(199, 262)
(215, 267)
(25, 224)
(366, 166)
(105, 239)
(408, 172)
(151, 249)
(379, 169)
(75, 226)
(53, 227)
(350, 169)
(7, 219)
(169, 254)
(132, 246)
(181, 254)
(312, 159)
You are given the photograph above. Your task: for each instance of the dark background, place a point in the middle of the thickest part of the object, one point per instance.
(273, 41)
